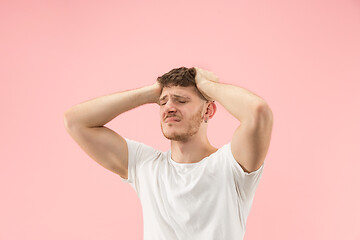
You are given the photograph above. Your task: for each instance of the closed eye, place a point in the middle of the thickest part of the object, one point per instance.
(178, 101)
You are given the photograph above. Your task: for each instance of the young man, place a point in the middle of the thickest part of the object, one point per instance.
(194, 190)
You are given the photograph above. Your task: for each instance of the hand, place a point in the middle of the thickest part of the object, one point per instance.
(202, 77)
(156, 90)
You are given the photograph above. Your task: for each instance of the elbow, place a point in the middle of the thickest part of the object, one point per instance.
(66, 121)
(67, 118)
(264, 112)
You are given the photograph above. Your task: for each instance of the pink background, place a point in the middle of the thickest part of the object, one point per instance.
(302, 57)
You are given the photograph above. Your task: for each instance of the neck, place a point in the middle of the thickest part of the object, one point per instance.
(193, 150)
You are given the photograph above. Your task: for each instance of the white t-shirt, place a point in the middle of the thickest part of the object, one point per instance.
(207, 200)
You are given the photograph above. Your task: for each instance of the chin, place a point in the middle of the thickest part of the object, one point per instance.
(176, 138)
(171, 135)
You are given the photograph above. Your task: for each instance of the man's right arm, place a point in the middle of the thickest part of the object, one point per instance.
(85, 124)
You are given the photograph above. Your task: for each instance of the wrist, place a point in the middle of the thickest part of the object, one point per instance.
(154, 92)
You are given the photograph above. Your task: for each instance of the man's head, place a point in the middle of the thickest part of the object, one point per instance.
(183, 77)
(181, 100)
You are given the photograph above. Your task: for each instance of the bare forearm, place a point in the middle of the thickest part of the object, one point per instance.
(240, 102)
(99, 111)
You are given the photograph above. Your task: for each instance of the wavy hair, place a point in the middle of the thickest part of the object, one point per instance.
(181, 76)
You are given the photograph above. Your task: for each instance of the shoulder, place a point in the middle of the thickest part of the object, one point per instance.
(140, 149)
(226, 153)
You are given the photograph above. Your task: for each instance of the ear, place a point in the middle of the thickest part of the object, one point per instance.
(211, 109)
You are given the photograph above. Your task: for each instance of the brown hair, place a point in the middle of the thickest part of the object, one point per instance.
(181, 76)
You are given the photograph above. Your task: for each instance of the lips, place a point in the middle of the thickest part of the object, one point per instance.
(172, 119)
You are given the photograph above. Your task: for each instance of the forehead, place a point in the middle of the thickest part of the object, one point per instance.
(178, 91)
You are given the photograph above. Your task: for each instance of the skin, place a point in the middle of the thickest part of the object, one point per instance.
(249, 144)
(188, 135)
(189, 143)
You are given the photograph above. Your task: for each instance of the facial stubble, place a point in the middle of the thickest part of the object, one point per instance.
(193, 127)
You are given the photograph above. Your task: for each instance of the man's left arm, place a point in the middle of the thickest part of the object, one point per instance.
(251, 140)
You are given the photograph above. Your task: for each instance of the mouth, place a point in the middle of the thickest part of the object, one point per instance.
(172, 119)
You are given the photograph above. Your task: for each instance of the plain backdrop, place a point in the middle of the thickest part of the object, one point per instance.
(302, 57)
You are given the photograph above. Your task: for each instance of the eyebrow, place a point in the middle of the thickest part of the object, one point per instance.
(176, 96)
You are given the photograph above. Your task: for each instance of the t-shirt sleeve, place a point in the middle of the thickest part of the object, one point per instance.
(246, 183)
(138, 153)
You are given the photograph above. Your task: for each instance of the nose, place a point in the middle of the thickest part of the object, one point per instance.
(169, 107)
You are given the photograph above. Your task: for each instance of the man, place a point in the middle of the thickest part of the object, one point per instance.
(193, 191)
